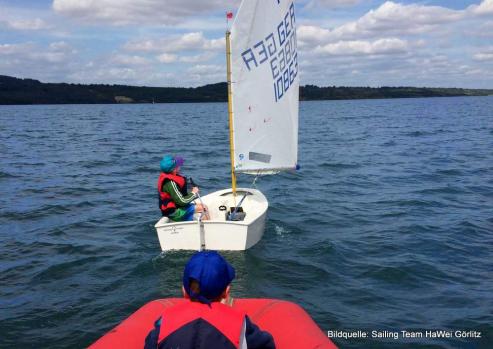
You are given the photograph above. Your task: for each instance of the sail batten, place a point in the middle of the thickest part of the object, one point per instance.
(265, 86)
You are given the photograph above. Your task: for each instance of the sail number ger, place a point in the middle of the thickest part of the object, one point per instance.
(279, 48)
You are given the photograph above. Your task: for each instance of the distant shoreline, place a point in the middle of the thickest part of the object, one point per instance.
(15, 91)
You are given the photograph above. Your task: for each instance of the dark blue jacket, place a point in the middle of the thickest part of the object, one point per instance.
(255, 337)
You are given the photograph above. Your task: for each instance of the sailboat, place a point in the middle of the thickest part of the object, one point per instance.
(263, 99)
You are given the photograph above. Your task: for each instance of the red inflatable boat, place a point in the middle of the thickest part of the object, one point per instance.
(290, 325)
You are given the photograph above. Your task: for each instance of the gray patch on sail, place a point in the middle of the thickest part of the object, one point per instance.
(259, 157)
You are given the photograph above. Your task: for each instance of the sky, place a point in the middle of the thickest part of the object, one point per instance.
(432, 43)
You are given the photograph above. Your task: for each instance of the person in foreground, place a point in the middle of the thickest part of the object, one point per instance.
(174, 200)
(204, 321)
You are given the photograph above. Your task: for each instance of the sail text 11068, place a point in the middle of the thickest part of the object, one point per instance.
(279, 48)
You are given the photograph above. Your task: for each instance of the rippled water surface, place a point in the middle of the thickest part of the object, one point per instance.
(387, 226)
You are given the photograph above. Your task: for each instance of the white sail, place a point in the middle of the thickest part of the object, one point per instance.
(265, 86)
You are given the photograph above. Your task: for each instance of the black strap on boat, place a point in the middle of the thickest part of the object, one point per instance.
(232, 215)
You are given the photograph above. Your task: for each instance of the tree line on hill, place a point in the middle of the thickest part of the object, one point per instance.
(28, 91)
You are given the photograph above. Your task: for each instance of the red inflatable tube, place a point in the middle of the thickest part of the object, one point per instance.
(290, 325)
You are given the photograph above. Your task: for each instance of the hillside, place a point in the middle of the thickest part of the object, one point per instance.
(28, 91)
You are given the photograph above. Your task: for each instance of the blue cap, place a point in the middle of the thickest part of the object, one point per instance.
(168, 163)
(211, 271)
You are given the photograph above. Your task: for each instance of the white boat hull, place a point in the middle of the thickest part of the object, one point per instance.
(218, 233)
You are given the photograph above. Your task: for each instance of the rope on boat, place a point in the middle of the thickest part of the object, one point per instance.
(244, 196)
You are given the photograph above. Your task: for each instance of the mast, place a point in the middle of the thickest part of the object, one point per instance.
(230, 111)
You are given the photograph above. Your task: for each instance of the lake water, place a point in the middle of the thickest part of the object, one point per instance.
(387, 226)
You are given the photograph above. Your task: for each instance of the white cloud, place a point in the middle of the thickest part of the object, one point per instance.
(398, 42)
(392, 18)
(49, 57)
(203, 57)
(312, 34)
(485, 54)
(127, 60)
(50, 62)
(389, 18)
(428, 39)
(201, 74)
(143, 46)
(13, 49)
(483, 9)
(105, 71)
(113, 74)
(29, 53)
(188, 41)
(331, 3)
(215, 44)
(359, 47)
(167, 58)
(185, 42)
(177, 48)
(26, 24)
(123, 12)
(206, 69)
(61, 46)
(17, 18)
